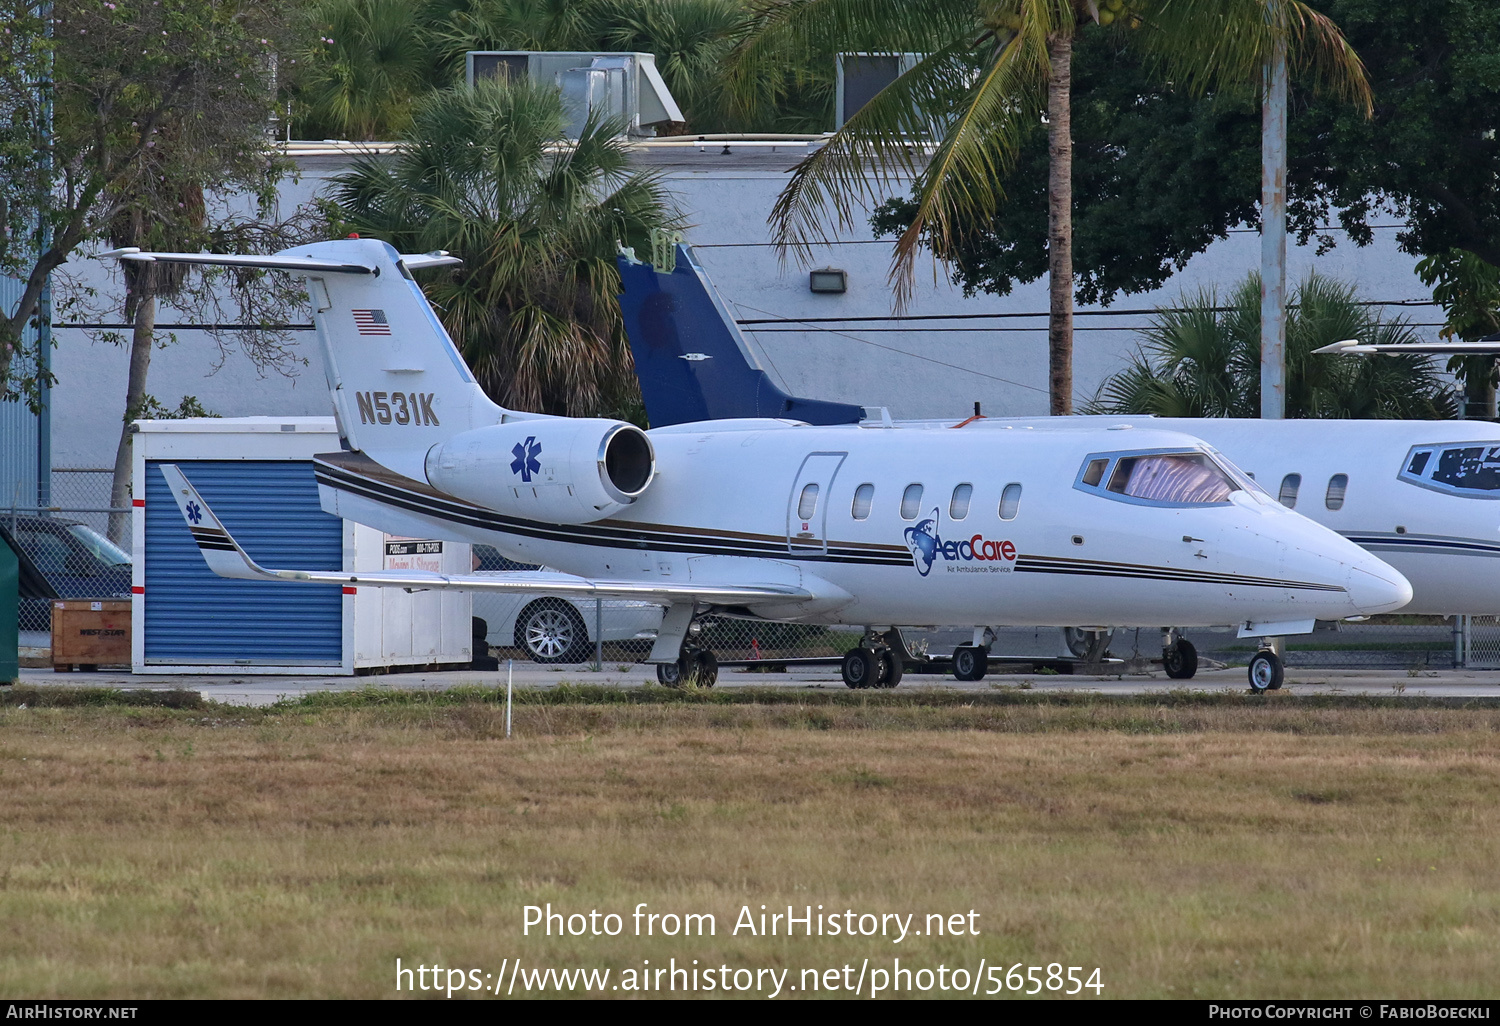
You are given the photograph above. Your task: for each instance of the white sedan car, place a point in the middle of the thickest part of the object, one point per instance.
(556, 630)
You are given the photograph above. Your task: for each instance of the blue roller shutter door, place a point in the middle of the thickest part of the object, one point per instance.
(194, 616)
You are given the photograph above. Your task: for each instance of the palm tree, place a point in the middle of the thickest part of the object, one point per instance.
(536, 222)
(990, 70)
(364, 62)
(1201, 359)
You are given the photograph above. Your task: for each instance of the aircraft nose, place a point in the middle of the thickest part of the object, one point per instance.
(1376, 587)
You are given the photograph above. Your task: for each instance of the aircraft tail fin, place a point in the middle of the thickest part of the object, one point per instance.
(691, 359)
(398, 383)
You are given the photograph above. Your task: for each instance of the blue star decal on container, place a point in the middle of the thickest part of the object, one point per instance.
(194, 512)
(525, 462)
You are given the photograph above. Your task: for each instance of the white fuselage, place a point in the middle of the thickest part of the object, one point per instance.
(730, 502)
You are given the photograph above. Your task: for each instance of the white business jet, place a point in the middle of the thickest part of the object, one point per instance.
(1421, 494)
(769, 518)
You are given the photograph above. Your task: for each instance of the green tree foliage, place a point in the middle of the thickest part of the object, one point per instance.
(146, 97)
(1160, 174)
(1201, 359)
(1468, 289)
(533, 308)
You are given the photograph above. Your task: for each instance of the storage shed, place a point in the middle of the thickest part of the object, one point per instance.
(256, 473)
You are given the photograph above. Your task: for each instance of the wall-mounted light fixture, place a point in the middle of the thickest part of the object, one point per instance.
(828, 279)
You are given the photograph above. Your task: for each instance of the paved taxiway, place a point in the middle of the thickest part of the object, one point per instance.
(254, 690)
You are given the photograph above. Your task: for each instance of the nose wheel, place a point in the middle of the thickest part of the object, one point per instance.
(1266, 672)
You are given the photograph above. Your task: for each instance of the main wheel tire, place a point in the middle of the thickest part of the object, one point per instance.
(861, 668)
(891, 668)
(1181, 660)
(705, 669)
(1266, 672)
(970, 662)
(551, 631)
(670, 674)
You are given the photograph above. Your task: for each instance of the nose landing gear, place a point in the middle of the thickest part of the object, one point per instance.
(1266, 671)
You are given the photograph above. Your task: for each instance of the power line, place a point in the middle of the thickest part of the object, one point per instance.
(1145, 311)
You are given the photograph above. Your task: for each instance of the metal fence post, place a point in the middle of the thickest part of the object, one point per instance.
(598, 635)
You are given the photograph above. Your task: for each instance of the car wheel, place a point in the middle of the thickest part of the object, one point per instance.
(551, 631)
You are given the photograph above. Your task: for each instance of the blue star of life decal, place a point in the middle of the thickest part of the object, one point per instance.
(525, 462)
(194, 512)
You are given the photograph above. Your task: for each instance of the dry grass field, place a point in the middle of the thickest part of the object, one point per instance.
(1186, 846)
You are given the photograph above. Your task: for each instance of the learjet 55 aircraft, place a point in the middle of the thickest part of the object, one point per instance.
(848, 524)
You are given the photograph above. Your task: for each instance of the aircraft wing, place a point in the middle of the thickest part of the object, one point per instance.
(226, 558)
(1487, 346)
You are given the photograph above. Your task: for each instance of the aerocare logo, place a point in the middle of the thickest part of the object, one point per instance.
(927, 547)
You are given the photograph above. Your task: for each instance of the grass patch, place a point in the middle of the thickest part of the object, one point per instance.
(1190, 844)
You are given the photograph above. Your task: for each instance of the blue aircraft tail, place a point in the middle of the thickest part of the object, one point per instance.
(692, 362)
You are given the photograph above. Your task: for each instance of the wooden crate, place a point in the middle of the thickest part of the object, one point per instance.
(89, 633)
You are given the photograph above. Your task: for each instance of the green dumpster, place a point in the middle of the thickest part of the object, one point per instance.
(10, 632)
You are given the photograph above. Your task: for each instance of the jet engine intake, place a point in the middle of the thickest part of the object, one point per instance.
(561, 471)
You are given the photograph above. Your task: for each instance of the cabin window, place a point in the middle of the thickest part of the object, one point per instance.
(1094, 472)
(911, 502)
(1288, 494)
(1338, 484)
(807, 505)
(1010, 501)
(958, 506)
(864, 495)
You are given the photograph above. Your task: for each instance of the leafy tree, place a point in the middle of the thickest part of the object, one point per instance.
(1201, 359)
(361, 64)
(1468, 289)
(1159, 174)
(533, 307)
(993, 70)
(125, 80)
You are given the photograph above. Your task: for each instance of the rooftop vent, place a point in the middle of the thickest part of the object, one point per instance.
(623, 85)
(860, 76)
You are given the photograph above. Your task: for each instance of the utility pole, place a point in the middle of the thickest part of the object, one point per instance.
(1273, 235)
(44, 301)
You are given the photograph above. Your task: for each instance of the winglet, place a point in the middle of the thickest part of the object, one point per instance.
(220, 551)
(1344, 346)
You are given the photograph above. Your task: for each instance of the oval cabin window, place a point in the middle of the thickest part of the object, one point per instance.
(1010, 501)
(864, 495)
(958, 506)
(1338, 484)
(807, 505)
(911, 501)
(1288, 494)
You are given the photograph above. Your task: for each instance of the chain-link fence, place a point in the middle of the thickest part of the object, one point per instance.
(65, 548)
(1383, 643)
(1479, 642)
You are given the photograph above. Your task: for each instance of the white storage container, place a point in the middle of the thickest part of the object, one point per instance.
(256, 473)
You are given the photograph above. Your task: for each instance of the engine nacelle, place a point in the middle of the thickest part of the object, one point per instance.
(561, 471)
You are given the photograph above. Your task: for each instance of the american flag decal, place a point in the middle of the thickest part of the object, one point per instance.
(371, 322)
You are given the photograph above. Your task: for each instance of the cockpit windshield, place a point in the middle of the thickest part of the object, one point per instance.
(1158, 478)
(1461, 468)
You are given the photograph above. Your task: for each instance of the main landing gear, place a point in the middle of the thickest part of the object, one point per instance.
(878, 661)
(696, 666)
(1178, 656)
